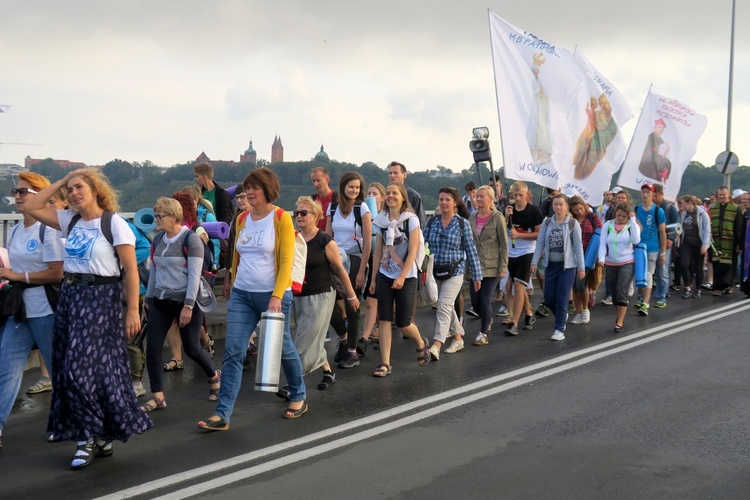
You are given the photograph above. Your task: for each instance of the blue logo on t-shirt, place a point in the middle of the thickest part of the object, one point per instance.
(32, 245)
(80, 243)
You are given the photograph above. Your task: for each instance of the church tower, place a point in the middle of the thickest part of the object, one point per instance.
(277, 150)
(249, 156)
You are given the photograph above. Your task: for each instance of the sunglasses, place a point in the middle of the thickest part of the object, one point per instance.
(303, 213)
(159, 217)
(22, 191)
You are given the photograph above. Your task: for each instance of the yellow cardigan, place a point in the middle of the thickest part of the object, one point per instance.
(283, 248)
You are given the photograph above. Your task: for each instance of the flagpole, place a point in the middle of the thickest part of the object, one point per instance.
(497, 103)
(619, 173)
(728, 177)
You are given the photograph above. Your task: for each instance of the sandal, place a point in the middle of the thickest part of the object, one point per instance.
(292, 413)
(329, 378)
(425, 351)
(84, 456)
(209, 346)
(717, 293)
(214, 424)
(213, 392)
(174, 364)
(382, 371)
(153, 404)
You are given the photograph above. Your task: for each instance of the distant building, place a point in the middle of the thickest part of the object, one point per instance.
(73, 165)
(249, 156)
(277, 150)
(321, 156)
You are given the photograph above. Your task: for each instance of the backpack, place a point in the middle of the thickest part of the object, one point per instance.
(208, 270)
(300, 253)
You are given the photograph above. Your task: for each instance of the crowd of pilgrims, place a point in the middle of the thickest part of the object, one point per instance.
(93, 293)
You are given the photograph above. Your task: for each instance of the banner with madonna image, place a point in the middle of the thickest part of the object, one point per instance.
(664, 142)
(595, 120)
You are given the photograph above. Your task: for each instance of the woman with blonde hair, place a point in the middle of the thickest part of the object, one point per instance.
(314, 304)
(374, 190)
(93, 402)
(35, 271)
(491, 239)
(395, 268)
(172, 293)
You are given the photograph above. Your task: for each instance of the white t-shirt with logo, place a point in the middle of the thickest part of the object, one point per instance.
(256, 245)
(28, 255)
(87, 251)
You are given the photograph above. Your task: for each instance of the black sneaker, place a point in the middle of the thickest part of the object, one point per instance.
(341, 352)
(528, 322)
(471, 312)
(351, 361)
(361, 347)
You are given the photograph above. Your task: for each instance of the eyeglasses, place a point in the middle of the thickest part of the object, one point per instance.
(303, 213)
(22, 191)
(159, 217)
(241, 197)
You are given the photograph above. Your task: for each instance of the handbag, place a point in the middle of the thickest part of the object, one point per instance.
(445, 271)
(13, 302)
(429, 288)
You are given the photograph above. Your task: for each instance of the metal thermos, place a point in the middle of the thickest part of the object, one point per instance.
(270, 342)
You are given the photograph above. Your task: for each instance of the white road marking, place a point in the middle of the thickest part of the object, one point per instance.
(586, 355)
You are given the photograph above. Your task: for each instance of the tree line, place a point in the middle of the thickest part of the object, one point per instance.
(141, 183)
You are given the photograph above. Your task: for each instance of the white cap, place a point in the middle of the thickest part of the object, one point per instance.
(737, 193)
(616, 189)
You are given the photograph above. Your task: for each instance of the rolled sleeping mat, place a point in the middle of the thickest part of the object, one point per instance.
(674, 229)
(216, 230)
(373, 206)
(592, 251)
(145, 221)
(270, 343)
(640, 256)
(231, 190)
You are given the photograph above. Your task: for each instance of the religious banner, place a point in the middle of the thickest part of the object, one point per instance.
(536, 84)
(663, 144)
(595, 120)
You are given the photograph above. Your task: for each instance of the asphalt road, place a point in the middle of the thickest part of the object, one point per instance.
(659, 411)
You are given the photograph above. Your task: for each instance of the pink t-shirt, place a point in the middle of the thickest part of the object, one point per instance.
(481, 221)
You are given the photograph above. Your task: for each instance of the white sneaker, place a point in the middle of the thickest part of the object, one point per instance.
(558, 335)
(138, 389)
(606, 301)
(577, 320)
(585, 317)
(435, 353)
(455, 346)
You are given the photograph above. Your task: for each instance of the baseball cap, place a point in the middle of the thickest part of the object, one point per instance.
(737, 193)
(648, 186)
(616, 189)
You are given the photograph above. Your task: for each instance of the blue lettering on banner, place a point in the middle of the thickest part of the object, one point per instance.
(606, 89)
(531, 40)
(540, 170)
(578, 189)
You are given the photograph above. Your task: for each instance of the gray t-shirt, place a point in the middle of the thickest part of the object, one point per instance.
(556, 244)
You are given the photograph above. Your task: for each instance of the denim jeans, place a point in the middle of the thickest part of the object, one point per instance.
(243, 314)
(17, 341)
(662, 278)
(558, 282)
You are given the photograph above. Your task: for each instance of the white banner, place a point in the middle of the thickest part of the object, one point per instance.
(595, 120)
(536, 84)
(663, 144)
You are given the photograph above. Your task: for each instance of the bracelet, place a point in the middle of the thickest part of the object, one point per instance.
(188, 307)
(27, 278)
(351, 298)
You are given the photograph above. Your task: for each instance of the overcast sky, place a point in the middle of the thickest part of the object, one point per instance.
(371, 81)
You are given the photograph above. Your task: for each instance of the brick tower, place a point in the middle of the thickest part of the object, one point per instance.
(277, 150)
